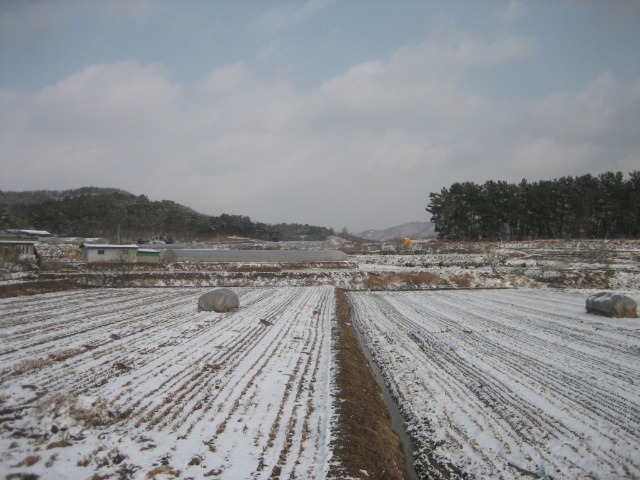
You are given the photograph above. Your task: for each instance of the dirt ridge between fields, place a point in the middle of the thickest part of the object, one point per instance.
(366, 446)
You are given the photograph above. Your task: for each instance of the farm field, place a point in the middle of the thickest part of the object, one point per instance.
(135, 383)
(509, 383)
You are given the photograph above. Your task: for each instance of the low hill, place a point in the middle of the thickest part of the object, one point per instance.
(415, 230)
(122, 216)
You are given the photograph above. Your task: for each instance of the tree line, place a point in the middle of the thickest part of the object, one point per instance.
(588, 206)
(116, 214)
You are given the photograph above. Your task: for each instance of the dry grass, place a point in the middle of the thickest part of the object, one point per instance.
(59, 444)
(98, 413)
(461, 280)
(162, 470)
(31, 364)
(34, 288)
(22, 476)
(29, 461)
(364, 440)
(402, 280)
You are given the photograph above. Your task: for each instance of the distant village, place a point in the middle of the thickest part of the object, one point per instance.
(50, 250)
(42, 245)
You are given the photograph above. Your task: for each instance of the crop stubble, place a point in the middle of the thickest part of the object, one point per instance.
(238, 395)
(506, 383)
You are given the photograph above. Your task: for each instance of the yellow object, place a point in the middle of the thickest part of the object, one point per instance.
(406, 241)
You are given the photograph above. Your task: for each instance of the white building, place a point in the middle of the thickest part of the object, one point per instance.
(109, 253)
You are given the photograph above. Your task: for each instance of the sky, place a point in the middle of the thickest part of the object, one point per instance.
(344, 114)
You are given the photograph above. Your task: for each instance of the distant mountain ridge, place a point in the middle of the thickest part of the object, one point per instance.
(415, 230)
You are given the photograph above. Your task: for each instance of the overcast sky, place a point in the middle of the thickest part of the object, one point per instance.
(336, 113)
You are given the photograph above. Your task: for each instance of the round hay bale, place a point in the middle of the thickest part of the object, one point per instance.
(218, 300)
(612, 305)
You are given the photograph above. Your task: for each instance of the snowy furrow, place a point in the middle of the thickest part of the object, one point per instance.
(501, 383)
(81, 321)
(450, 379)
(532, 352)
(142, 384)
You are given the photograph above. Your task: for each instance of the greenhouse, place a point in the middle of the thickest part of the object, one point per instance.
(258, 256)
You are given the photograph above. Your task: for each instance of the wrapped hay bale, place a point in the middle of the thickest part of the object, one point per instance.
(612, 305)
(218, 300)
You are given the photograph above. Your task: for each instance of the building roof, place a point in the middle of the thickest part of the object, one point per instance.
(105, 246)
(18, 241)
(31, 233)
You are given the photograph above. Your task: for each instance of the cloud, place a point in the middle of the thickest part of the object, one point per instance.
(275, 20)
(362, 149)
(417, 86)
(35, 16)
(512, 12)
(604, 109)
(121, 100)
(590, 130)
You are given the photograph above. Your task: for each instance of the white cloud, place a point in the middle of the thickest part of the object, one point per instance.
(34, 16)
(606, 108)
(512, 12)
(290, 14)
(417, 86)
(362, 150)
(110, 102)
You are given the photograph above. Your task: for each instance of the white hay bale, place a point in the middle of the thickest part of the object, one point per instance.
(612, 305)
(218, 300)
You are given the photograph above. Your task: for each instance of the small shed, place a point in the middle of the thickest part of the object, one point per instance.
(21, 248)
(92, 253)
(148, 255)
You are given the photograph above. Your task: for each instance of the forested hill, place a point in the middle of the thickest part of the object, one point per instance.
(113, 213)
(39, 196)
(603, 206)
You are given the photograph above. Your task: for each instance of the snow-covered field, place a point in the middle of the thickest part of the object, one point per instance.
(135, 383)
(510, 383)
